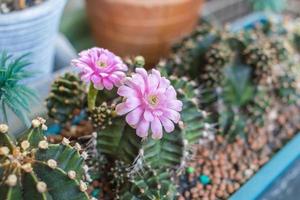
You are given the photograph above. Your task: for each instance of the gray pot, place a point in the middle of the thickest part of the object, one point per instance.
(33, 30)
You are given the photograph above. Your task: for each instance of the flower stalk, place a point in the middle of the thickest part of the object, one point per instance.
(92, 96)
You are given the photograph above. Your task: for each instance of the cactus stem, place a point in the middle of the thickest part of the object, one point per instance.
(92, 96)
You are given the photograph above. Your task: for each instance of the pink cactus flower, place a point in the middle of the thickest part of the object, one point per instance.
(101, 67)
(150, 102)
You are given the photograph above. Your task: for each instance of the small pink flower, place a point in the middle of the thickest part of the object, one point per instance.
(150, 102)
(102, 67)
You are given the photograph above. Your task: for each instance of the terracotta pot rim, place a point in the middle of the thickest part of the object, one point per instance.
(150, 3)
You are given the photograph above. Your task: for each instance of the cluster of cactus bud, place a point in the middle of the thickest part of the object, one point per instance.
(66, 98)
(102, 116)
(31, 167)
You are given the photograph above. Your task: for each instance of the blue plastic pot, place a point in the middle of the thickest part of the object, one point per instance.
(33, 30)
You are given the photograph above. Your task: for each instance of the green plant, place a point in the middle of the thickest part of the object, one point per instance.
(15, 95)
(131, 160)
(259, 58)
(217, 58)
(269, 5)
(253, 73)
(150, 184)
(31, 168)
(66, 98)
(119, 142)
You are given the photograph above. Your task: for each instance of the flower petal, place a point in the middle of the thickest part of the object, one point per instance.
(156, 129)
(172, 115)
(148, 116)
(142, 128)
(167, 124)
(134, 116)
(122, 109)
(175, 105)
(107, 84)
(133, 102)
(170, 92)
(126, 91)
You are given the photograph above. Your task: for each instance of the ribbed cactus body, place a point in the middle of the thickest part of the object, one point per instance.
(66, 96)
(149, 184)
(217, 57)
(31, 168)
(259, 57)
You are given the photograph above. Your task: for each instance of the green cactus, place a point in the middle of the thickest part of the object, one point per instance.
(241, 103)
(66, 97)
(296, 39)
(33, 169)
(217, 57)
(189, 56)
(280, 50)
(120, 141)
(14, 95)
(259, 57)
(287, 85)
(149, 184)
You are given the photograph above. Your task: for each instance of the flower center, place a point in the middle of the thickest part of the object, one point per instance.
(153, 100)
(101, 64)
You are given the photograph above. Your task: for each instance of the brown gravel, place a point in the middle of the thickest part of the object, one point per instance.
(230, 165)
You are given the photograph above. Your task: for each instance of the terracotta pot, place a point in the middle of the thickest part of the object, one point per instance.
(141, 27)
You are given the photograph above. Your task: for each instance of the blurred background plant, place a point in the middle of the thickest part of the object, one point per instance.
(15, 96)
(276, 6)
(7, 6)
(241, 74)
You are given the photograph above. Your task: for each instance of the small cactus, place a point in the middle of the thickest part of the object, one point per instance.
(217, 57)
(280, 50)
(66, 98)
(259, 57)
(31, 168)
(287, 85)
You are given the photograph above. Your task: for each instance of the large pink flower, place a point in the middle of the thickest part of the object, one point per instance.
(150, 102)
(102, 67)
